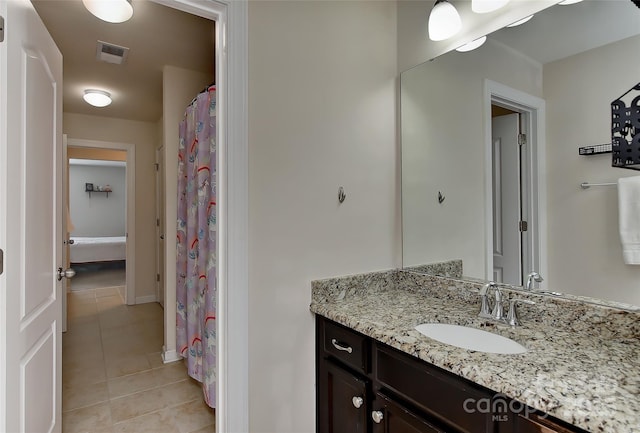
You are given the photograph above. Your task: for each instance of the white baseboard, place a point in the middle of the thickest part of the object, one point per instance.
(170, 356)
(145, 299)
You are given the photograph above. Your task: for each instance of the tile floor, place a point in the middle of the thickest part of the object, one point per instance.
(113, 377)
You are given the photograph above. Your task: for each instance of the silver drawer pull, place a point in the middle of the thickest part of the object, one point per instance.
(377, 416)
(339, 346)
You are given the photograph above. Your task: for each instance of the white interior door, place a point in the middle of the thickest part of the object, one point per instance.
(506, 200)
(32, 224)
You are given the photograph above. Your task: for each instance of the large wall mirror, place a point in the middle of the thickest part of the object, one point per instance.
(470, 178)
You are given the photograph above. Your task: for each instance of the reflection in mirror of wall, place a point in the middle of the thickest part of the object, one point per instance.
(590, 60)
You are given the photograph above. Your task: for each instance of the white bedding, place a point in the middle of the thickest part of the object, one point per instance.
(99, 249)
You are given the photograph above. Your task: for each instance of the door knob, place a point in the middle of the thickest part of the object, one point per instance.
(377, 416)
(65, 273)
(162, 237)
(72, 241)
(357, 402)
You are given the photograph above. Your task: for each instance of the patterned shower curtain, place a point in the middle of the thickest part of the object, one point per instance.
(196, 242)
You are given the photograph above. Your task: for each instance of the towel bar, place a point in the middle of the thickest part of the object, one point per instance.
(586, 185)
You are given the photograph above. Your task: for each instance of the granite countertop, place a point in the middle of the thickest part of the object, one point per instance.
(582, 363)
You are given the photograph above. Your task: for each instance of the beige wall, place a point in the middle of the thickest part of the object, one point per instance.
(144, 136)
(322, 98)
(585, 254)
(101, 154)
(179, 87)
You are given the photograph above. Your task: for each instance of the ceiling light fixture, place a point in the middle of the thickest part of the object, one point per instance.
(569, 2)
(444, 21)
(97, 98)
(485, 6)
(472, 45)
(522, 21)
(111, 11)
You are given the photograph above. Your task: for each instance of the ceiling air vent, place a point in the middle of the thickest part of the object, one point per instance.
(111, 53)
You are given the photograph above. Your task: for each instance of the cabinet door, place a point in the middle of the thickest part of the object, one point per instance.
(388, 416)
(342, 400)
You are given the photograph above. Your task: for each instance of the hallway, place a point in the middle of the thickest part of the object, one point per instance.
(113, 377)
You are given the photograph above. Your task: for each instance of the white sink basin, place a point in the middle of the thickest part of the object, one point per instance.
(470, 338)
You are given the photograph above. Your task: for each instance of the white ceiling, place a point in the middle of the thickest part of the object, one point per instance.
(156, 35)
(562, 31)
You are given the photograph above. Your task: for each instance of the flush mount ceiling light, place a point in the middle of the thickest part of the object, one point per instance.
(472, 45)
(522, 21)
(485, 6)
(97, 98)
(444, 21)
(111, 11)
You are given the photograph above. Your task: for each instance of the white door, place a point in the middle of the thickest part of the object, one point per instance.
(31, 223)
(506, 200)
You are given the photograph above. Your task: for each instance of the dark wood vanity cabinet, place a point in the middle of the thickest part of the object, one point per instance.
(536, 422)
(364, 386)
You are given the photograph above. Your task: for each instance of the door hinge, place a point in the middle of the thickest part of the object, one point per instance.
(522, 139)
(158, 277)
(523, 226)
(1, 261)
(157, 166)
(1, 28)
(157, 222)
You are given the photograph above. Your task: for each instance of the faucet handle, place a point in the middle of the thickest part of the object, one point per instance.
(498, 311)
(512, 315)
(485, 306)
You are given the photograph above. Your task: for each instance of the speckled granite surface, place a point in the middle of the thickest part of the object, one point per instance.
(583, 362)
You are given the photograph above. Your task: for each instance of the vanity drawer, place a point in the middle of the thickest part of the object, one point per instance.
(346, 345)
(438, 393)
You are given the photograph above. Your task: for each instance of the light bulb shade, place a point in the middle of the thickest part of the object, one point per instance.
(472, 45)
(111, 11)
(444, 21)
(485, 6)
(97, 98)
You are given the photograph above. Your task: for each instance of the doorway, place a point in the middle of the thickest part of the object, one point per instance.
(233, 84)
(126, 153)
(97, 216)
(516, 213)
(510, 187)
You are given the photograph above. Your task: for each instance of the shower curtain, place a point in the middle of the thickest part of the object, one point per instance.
(196, 282)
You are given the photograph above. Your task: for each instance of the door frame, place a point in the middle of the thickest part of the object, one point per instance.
(130, 223)
(231, 17)
(533, 124)
(160, 225)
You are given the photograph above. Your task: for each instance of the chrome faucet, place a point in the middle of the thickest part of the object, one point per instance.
(533, 276)
(485, 306)
(497, 313)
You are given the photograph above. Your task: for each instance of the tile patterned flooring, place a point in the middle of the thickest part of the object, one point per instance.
(113, 377)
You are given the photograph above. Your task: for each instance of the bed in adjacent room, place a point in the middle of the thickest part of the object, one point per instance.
(97, 249)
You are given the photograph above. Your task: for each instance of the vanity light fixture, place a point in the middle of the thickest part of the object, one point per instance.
(522, 21)
(97, 98)
(444, 21)
(485, 6)
(472, 45)
(111, 11)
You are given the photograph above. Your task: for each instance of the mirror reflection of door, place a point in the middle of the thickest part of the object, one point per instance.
(509, 186)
